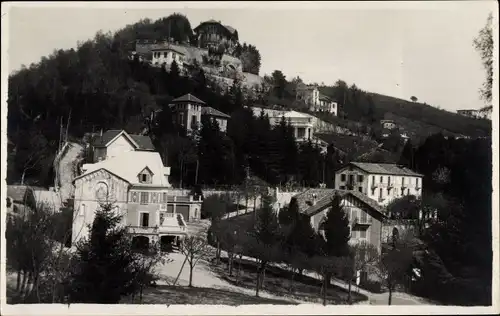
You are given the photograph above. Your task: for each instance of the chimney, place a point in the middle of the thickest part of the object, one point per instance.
(314, 196)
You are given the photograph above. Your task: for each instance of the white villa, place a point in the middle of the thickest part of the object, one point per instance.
(136, 182)
(380, 182)
(316, 101)
(303, 124)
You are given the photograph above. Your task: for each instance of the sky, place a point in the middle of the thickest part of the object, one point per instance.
(421, 49)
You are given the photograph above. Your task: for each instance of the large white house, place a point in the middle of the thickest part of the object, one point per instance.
(302, 123)
(136, 183)
(380, 182)
(316, 101)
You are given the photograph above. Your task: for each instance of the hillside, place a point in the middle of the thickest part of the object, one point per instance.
(430, 117)
(418, 119)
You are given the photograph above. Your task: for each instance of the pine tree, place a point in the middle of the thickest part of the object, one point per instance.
(407, 156)
(265, 241)
(336, 230)
(105, 271)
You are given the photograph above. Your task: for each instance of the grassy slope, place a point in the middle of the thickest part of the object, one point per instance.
(417, 116)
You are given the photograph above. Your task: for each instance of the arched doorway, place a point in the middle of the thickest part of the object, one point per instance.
(140, 243)
(166, 243)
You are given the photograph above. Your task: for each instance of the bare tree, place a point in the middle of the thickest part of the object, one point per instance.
(393, 266)
(364, 255)
(194, 247)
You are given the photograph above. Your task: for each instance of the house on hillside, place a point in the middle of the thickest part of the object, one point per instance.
(388, 124)
(302, 123)
(380, 182)
(135, 181)
(115, 142)
(213, 33)
(188, 111)
(218, 116)
(316, 101)
(484, 113)
(165, 56)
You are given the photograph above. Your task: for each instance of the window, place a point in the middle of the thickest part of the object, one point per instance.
(362, 234)
(144, 197)
(145, 219)
(144, 178)
(403, 181)
(360, 178)
(364, 217)
(165, 54)
(193, 121)
(380, 194)
(381, 179)
(164, 197)
(389, 180)
(360, 189)
(181, 118)
(351, 178)
(342, 177)
(417, 182)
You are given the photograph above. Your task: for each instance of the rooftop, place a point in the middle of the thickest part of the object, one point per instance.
(206, 110)
(324, 198)
(385, 168)
(187, 98)
(128, 165)
(143, 142)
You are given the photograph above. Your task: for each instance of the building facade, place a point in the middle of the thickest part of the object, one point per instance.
(302, 123)
(165, 56)
(213, 33)
(382, 183)
(188, 111)
(135, 182)
(218, 116)
(316, 101)
(484, 113)
(365, 216)
(388, 124)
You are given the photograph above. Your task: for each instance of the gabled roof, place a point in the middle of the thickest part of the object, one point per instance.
(230, 29)
(187, 98)
(206, 110)
(324, 198)
(129, 164)
(143, 141)
(140, 142)
(385, 168)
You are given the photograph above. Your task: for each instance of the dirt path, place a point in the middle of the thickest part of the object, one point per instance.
(204, 277)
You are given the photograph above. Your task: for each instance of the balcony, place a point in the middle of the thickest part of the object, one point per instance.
(362, 221)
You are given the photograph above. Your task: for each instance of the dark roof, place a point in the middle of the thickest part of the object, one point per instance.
(144, 142)
(385, 168)
(324, 198)
(187, 98)
(230, 29)
(206, 110)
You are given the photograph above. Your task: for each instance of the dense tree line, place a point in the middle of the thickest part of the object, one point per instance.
(457, 183)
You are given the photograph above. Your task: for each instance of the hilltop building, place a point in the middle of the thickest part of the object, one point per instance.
(130, 175)
(213, 33)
